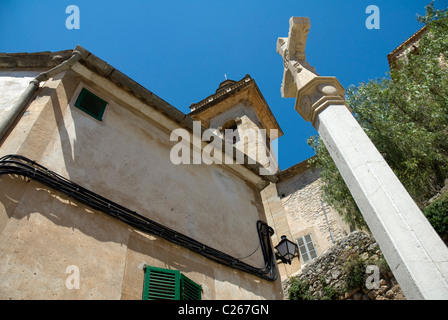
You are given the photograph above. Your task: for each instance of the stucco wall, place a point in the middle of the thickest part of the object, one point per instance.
(12, 84)
(125, 158)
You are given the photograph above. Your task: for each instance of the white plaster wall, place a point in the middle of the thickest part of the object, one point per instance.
(12, 84)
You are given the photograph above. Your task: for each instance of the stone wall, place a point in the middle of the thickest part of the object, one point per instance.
(300, 192)
(340, 273)
(293, 208)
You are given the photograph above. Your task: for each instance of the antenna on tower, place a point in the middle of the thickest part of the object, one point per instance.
(225, 76)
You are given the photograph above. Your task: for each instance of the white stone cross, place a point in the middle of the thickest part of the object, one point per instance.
(415, 253)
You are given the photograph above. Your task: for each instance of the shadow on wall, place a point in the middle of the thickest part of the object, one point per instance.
(290, 183)
(97, 244)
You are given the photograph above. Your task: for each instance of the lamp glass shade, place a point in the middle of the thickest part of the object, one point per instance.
(286, 248)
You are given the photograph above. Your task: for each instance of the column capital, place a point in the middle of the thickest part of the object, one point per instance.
(316, 95)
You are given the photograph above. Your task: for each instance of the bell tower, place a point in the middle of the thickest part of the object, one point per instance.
(238, 113)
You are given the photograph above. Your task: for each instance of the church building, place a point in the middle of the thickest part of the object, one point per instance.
(109, 192)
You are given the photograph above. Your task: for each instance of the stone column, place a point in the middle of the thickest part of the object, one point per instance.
(414, 251)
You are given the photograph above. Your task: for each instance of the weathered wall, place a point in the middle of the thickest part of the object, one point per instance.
(249, 138)
(353, 268)
(301, 198)
(293, 208)
(277, 219)
(125, 158)
(12, 84)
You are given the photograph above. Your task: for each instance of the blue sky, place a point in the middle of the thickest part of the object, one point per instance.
(181, 50)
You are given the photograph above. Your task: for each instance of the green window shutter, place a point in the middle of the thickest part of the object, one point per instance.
(161, 284)
(189, 289)
(91, 104)
(166, 284)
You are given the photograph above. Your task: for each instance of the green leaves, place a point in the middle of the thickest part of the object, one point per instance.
(437, 214)
(405, 114)
(299, 290)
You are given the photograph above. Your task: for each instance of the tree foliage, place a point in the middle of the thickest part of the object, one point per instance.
(405, 114)
(437, 214)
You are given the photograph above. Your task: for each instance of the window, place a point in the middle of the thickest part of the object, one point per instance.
(166, 284)
(307, 249)
(91, 104)
(230, 131)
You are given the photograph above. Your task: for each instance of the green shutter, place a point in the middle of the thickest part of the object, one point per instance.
(166, 284)
(161, 284)
(189, 289)
(91, 104)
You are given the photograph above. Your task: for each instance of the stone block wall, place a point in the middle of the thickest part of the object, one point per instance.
(300, 193)
(340, 273)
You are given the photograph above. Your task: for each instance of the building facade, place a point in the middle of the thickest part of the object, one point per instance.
(77, 228)
(93, 206)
